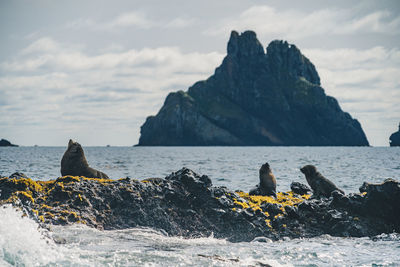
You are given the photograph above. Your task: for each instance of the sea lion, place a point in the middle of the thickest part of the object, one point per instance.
(74, 163)
(267, 185)
(318, 183)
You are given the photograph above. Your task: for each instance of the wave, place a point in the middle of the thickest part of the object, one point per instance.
(22, 242)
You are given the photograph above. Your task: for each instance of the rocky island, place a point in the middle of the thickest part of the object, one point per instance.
(187, 204)
(254, 98)
(394, 139)
(4, 142)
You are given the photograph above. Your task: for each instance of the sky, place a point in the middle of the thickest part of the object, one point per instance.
(94, 70)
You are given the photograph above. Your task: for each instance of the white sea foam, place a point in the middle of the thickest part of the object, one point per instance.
(21, 242)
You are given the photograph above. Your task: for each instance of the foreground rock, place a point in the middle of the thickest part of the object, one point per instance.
(4, 142)
(255, 98)
(186, 204)
(394, 139)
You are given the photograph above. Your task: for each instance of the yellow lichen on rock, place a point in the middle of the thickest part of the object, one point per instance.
(48, 215)
(282, 198)
(100, 180)
(244, 205)
(24, 184)
(26, 194)
(68, 213)
(35, 212)
(68, 179)
(268, 222)
(44, 206)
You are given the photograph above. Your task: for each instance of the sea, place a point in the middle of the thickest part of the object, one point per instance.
(24, 243)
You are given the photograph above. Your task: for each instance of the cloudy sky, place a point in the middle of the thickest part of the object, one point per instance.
(94, 70)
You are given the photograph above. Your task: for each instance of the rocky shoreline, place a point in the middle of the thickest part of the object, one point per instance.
(186, 204)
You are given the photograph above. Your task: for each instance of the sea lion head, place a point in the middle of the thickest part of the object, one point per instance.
(265, 168)
(74, 149)
(308, 170)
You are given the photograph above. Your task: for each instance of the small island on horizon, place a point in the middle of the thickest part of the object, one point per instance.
(254, 99)
(4, 142)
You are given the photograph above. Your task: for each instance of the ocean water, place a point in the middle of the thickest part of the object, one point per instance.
(22, 243)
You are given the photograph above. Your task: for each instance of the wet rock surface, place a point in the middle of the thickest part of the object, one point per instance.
(186, 204)
(300, 188)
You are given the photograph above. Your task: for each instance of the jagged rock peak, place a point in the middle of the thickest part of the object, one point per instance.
(245, 44)
(287, 58)
(255, 98)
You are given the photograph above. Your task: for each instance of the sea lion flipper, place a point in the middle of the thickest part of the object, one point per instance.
(103, 175)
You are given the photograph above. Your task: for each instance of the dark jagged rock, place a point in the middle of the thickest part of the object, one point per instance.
(377, 195)
(300, 188)
(254, 98)
(186, 204)
(18, 175)
(4, 142)
(394, 139)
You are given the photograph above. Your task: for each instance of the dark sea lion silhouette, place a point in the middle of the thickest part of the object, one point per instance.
(318, 183)
(267, 185)
(74, 163)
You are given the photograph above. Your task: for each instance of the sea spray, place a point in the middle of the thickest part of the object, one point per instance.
(22, 242)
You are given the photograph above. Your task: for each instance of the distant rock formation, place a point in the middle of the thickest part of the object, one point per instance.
(254, 98)
(4, 142)
(394, 139)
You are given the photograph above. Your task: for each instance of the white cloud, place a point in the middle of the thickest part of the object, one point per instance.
(170, 58)
(352, 58)
(130, 19)
(133, 19)
(81, 23)
(368, 69)
(70, 89)
(378, 21)
(180, 23)
(45, 44)
(295, 24)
